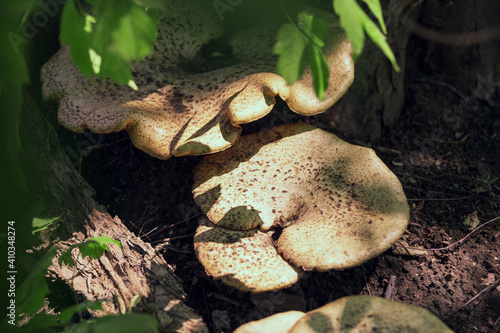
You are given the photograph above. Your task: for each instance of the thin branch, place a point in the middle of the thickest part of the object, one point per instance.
(390, 287)
(172, 225)
(164, 240)
(459, 241)
(466, 236)
(455, 39)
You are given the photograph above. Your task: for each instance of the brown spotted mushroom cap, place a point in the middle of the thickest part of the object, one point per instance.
(185, 105)
(360, 314)
(278, 323)
(246, 260)
(338, 204)
(364, 314)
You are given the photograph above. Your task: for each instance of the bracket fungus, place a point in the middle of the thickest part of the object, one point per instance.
(246, 260)
(337, 205)
(361, 314)
(278, 323)
(183, 105)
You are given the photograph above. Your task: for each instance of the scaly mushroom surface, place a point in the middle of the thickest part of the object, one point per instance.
(360, 314)
(184, 106)
(246, 260)
(337, 205)
(277, 323)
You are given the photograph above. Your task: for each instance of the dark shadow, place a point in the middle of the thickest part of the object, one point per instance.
(241, 218)
(355, 310)
(218, 118)
(207, 199)
(178, 135)
(319, 322)
(223, 236)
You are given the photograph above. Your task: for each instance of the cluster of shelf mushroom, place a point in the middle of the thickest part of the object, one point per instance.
(277, 203)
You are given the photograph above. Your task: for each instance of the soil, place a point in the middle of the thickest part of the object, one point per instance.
(443, 149)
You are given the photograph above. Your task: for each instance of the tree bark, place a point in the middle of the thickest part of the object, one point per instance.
(458, 40)
(462, 43)
(377, 95)
(119, 274)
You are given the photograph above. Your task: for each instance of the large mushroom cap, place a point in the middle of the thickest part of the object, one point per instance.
(356, 314)
(365, 314)
(278, 323)
(338, 204)
(246, 260)
(185, 106)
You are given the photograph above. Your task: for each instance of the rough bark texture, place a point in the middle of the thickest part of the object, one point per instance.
(117, 275)
(464, 44)
(376, 97)
(459, 40)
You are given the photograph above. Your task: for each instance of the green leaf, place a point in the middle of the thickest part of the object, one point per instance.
(135, 301)
(41, 223)
(96, 246)
(104, 43)
(379, 39)
(75, 32)
(376, 9)
(158, 4)
(314, 28)
(319, 70)
(126, 323)
(70, 311)
(93, 247)
(351, 19)
(290, 46)
(42, 322)
(356, 22)
(135, 34)
(31, 294)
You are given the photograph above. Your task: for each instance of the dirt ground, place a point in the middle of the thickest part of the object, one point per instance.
(444, 149)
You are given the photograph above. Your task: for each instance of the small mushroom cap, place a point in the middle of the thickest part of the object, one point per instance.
(338, 204)
(364, 314)
(184, 106)
(278, 323)
(246, 260)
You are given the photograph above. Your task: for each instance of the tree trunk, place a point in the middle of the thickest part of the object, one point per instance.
(377, 94)
(457, 40)
(117, 275)
(462, 43)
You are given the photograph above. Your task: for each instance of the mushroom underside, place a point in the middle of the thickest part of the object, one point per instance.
(184, 104)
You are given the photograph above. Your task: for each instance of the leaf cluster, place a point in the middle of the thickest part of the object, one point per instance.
(118, 31)
(107, 39)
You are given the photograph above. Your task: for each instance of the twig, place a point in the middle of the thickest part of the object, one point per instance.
(466, 236)
(438, 199)
(484, 291)
(444, 84)
(172, 225)
(364, 276)
(164, 240)
(487, 289)
(496, 322)
(405, 174)
(455, 39)
(390, 287)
